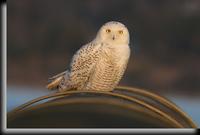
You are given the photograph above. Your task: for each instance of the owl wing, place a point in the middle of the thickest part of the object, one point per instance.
(83, 64)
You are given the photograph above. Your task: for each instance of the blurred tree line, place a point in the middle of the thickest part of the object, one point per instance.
(165, 39)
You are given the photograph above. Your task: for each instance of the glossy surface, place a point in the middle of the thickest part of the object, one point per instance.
(124, 107)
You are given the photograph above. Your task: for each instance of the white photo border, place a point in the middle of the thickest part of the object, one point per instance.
(62, 130)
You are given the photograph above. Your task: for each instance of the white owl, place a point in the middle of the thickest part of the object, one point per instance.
(98, 65)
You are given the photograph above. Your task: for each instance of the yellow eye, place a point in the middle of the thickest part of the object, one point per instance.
(120, 31)
(108, 30)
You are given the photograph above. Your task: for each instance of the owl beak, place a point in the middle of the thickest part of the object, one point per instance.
(113, 37)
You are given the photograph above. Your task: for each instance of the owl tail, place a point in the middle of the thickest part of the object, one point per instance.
(55, 81)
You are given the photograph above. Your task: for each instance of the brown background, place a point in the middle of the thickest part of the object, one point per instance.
(165, 40)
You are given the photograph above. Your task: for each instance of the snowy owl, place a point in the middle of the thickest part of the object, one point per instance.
(98, 65)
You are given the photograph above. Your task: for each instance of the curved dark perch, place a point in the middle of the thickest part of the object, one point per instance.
(123, 107)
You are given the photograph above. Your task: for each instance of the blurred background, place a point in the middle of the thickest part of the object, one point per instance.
(165, 42)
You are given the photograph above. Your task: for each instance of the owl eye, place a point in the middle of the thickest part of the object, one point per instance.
(108, 30)
(120, 31)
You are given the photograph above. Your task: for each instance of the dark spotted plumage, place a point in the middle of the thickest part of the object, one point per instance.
(98, 65)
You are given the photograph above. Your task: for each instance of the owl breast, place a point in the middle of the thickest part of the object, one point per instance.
(109, 69)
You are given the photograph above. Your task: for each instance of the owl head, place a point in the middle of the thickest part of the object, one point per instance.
(114, 33)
